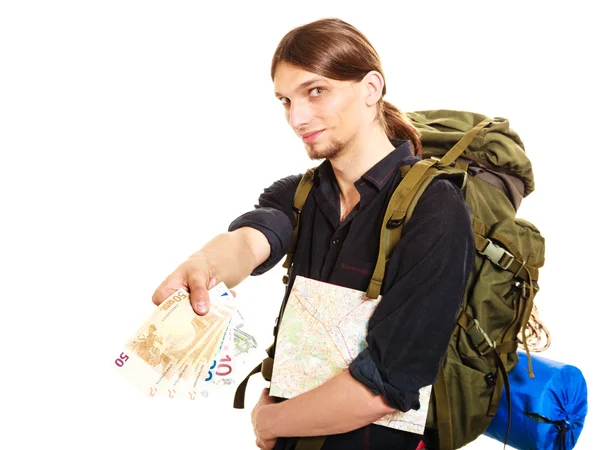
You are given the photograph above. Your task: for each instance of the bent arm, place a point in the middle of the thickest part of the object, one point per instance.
(408, 333)
(340, 405)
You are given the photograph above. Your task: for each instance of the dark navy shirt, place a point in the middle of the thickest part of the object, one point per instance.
(423, 287)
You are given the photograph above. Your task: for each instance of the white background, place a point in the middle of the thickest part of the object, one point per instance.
(133, 132)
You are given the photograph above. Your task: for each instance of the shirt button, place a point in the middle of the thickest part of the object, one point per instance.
(335, 241)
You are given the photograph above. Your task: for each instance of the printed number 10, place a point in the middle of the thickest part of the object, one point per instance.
(221, 373)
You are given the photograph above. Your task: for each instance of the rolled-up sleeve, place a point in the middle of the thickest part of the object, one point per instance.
(273, 216)
(409, 332)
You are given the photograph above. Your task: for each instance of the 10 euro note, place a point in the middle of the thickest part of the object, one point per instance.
(175, 345)
(195, 366)
(238, 352)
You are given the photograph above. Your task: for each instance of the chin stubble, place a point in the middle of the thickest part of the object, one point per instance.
(332, 150)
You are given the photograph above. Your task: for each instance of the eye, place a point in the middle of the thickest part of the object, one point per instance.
(314, 92)
(284, 100)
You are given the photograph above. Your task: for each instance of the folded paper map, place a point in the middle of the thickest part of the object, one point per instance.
(322, 330)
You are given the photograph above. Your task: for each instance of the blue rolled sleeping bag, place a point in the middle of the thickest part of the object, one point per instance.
(548, 411)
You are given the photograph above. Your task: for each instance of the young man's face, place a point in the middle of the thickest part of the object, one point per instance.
(326, 114)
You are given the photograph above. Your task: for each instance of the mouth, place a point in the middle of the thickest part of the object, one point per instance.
(311, 137)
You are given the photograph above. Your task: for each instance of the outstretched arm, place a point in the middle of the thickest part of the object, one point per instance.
(229, 257)
(255, 242)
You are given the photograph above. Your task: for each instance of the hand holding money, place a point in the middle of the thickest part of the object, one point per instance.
(192, 276)
(178, 353)
(230, 257)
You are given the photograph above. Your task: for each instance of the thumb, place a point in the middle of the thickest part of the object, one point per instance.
(199, 297)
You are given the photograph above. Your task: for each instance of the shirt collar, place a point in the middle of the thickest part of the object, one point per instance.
(384, 170)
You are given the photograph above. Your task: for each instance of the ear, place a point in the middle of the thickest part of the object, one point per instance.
(373, 83)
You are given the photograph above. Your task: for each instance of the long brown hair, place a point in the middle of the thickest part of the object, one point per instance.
(335, 49)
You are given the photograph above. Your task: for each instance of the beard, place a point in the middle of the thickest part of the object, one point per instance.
(330, 150)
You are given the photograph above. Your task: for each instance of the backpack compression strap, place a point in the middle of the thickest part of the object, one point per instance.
(459, 148)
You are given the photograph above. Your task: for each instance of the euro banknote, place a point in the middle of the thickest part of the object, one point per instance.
(175, 348)
(238, 355)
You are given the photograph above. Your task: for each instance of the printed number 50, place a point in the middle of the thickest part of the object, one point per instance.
(121, 359)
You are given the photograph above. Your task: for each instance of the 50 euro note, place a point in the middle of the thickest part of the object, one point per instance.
(175, 345)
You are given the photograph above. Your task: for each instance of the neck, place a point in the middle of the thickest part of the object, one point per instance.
(357, 158)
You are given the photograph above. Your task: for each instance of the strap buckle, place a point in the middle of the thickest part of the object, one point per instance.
(394, 223)
(496, 254)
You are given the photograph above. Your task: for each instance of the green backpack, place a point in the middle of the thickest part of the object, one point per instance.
(486, 159)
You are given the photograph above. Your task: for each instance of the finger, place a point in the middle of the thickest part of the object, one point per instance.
(165, 290)
(233, 292)
(199, 295)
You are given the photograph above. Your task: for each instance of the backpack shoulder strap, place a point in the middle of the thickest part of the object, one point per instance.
(302, 191)
(395, 215)
(404, 199)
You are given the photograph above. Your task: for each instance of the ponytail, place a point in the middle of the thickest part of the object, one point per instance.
(397, 125)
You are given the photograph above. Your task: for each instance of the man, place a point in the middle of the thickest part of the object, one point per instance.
(330, 82)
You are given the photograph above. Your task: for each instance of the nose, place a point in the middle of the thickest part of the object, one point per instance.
(299, 115)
